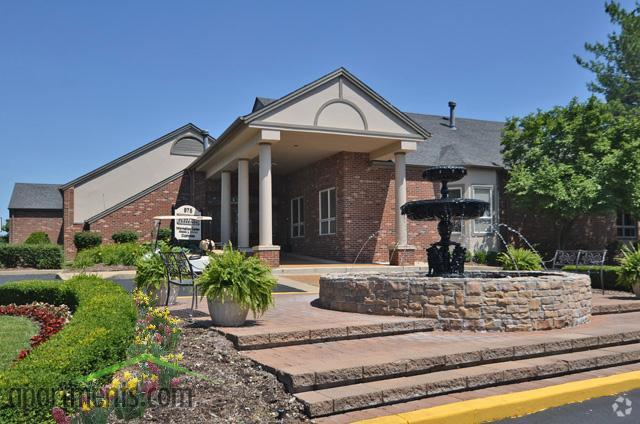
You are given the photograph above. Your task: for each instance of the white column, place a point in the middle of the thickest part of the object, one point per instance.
(225, 207)
(401, 197)
(243, 203)
(266, 223)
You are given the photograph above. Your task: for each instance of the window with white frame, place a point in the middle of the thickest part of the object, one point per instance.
(626, 226)
(483, 225)
(297, 217)
(328, 211)
(456, 193)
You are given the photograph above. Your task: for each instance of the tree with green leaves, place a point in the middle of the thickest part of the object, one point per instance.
(4, 229)
(617, 63)
(574, 160)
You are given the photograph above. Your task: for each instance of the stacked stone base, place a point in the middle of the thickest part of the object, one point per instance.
(532, 301)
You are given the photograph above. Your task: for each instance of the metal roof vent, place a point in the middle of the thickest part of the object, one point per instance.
(452, 115)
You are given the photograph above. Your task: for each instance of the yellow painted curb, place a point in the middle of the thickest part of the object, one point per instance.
(515, 404)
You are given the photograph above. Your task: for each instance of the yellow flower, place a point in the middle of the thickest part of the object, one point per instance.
(127, 376)
(151, 327)
(111, 394)
(104, 403)
(180, 356)
(132, 384)
(87, 407)
(154, 377)
(115, 383)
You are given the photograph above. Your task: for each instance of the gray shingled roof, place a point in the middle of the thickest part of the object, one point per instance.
(472, 143)
(36, 196)
(261, 102)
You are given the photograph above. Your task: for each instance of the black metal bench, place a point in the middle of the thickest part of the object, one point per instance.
(589, 258)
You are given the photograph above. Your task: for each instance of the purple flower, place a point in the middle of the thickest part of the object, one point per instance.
(59, 416)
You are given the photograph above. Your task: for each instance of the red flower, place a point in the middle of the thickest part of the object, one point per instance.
(50, 318)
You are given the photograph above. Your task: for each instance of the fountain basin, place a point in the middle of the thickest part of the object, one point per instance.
(491, 301)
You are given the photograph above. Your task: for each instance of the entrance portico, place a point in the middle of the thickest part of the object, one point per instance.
(291, 143)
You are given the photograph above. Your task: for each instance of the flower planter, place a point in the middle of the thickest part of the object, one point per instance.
(636, 288)
(227, 313)
(161, 294)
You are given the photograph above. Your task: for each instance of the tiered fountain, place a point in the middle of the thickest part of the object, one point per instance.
(443, 261)
(450, 298)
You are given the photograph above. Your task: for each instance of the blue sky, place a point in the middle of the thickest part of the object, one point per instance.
(82, 83)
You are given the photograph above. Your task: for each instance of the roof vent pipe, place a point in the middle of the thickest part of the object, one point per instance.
(205, 139)
(452, 114)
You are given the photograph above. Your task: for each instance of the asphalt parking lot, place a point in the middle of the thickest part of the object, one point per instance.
(621, 408)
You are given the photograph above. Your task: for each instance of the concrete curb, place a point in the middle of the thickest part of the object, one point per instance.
(515, 404)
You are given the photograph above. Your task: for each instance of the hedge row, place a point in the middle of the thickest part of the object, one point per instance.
(97, 336)
(40, 256)
(609, 275)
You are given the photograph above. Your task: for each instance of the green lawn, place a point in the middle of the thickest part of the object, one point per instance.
(15, 333)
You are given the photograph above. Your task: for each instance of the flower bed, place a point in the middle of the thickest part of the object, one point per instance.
(51, 319)
(99, 334)
(135, 387)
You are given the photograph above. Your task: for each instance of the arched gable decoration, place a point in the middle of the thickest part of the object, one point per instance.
(352, 106)
(187, 146)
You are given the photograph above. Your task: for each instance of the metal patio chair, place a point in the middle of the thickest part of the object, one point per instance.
(179, 272)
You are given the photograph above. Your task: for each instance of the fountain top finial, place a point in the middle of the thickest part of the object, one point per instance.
(444, 173)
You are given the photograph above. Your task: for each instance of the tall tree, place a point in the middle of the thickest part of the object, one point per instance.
(574, 160)
(617, 63)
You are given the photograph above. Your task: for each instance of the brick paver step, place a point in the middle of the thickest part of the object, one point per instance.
(376, 393)
(338, 363)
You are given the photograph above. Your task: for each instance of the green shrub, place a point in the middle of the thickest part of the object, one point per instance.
(109, 254)
(38, 237)
(629, 272)
(164, 234)
(40, 256)
(480, 256)
(246, 280)
(86, 240)
(520, 259)
(126, 236)
(97, 336)
(609, 275)
(150, 272)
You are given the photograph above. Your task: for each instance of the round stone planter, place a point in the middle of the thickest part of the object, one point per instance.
(161, 295)
(500, 301)
(227, 313)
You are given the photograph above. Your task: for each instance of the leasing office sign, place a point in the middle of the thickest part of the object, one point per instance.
(187, 228)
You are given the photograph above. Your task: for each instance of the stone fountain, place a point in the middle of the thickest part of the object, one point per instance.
(442, 260)
(448, 298)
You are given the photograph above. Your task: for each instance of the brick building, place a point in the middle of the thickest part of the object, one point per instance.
(320, 172)
(124, 194)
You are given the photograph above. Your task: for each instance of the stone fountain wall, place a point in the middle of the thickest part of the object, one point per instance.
(532, 301)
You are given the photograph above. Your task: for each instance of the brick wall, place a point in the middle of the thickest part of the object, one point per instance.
(24, 222)
(365, 209)
(138, 215)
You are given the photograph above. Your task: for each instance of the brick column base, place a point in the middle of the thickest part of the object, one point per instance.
(270, 255)
(402, 255)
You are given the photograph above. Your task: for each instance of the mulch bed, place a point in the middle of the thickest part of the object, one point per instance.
(240, 390)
